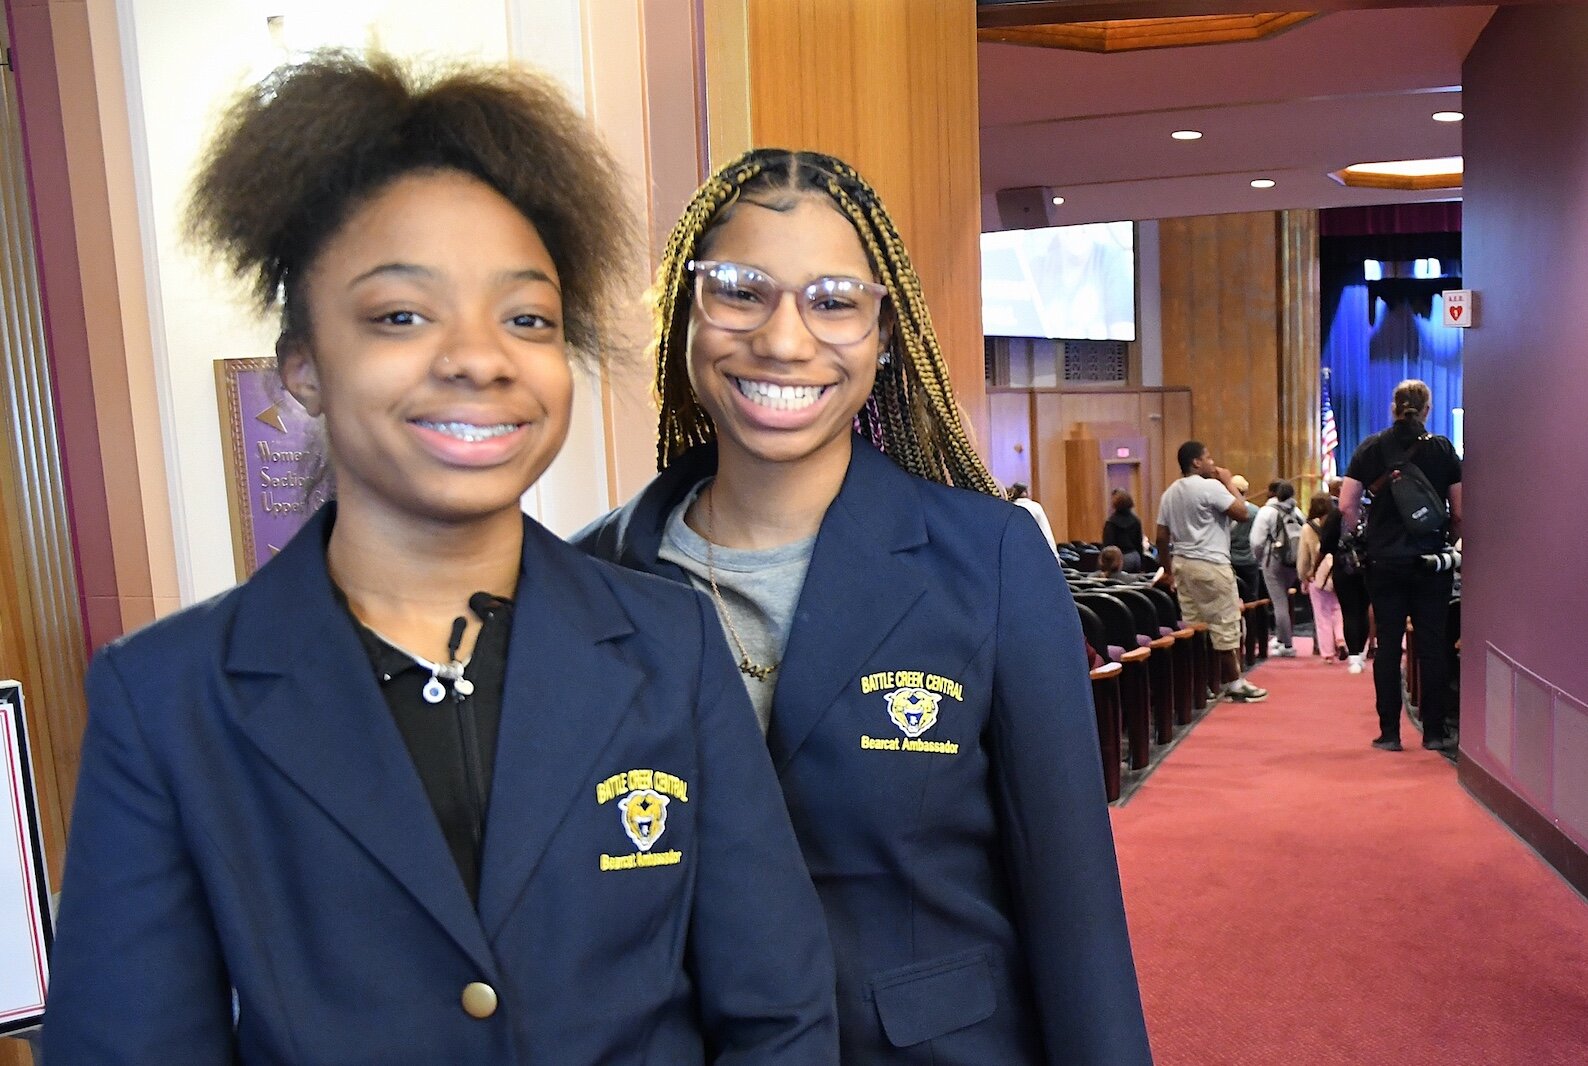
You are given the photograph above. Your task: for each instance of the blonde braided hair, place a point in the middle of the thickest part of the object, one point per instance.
(911, 415)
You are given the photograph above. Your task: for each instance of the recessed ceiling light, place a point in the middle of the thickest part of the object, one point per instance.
(1187, 135)
(1057, 200)
(1448, 116)
(1262, 183)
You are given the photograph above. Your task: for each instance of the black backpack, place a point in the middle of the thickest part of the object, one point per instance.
(1283, 545)
(1422, 508)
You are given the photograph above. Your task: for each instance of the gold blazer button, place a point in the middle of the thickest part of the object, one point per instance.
(479, 999)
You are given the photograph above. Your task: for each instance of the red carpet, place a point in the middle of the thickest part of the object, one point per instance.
(1297, 897)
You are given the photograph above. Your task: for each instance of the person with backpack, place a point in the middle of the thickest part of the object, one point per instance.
(1276, 540)
(1410, 483)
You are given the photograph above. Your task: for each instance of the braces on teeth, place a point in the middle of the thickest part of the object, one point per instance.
(471, 433)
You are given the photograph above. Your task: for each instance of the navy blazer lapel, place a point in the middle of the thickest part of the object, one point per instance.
(857, 589)
(312, 707)
(566, 693)
(632, 536)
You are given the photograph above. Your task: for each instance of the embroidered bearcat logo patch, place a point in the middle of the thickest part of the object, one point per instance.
(644, 817)
(913, 710)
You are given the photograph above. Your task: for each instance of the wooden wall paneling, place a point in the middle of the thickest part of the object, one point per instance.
(41, 634)
(1257, 385)
(1300, 352)
(1092, 407)
(890, 86)
(1047, 450)
(726, 36)
(1176, 430)
(1160, 417)
(1250, 357)
(1091, 417)
(1149, 417)
(1084, 490)
(1009, 451)
(1220, 333)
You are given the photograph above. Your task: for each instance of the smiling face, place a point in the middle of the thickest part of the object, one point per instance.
(435, 352)
(776, 393)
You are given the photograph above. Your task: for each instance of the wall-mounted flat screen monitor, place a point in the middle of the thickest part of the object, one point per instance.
(1067, 282)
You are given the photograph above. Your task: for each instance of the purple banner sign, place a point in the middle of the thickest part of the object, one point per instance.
(272, 460)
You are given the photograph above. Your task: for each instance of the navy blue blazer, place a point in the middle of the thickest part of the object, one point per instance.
(933, 730)
(251, 836)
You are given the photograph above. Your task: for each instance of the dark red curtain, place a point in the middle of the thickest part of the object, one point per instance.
(1384, 220)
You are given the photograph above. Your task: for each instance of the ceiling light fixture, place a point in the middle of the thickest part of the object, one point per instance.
(1410, 174)
(1057, 200)
(1187, 135)
(1262, 183)
(1448, 116)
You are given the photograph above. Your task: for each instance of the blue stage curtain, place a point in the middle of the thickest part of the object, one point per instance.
(1368, 359)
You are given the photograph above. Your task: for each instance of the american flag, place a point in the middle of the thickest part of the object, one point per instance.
(1331, 435)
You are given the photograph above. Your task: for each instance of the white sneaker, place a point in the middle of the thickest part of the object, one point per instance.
(1243, 691)
(1286, 651)
(1354, 664)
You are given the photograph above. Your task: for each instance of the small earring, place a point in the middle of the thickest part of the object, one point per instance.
(884, 359)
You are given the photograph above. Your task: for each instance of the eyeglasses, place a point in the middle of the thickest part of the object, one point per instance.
(740, 298)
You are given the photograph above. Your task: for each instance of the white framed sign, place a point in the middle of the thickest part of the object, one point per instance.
(1458, 307)
(25, 928)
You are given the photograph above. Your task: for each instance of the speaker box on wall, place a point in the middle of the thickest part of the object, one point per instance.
(1027, 208)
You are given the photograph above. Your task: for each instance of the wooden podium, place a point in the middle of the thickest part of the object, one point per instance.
(1098, 459)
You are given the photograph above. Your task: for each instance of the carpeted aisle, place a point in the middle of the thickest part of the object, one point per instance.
(1298, 898)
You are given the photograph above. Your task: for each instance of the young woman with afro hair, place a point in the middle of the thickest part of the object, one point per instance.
(431, 786)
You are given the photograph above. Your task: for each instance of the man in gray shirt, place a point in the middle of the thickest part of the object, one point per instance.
(1194, 519)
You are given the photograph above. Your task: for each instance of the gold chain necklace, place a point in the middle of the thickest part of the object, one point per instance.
(747, 665)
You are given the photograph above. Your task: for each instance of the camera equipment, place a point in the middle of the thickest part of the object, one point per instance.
(1440, 561)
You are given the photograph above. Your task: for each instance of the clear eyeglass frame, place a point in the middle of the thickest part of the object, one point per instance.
(834, 326)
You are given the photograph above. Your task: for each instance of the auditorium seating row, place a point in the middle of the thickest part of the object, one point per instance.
(1158, 671)
(1081, 556)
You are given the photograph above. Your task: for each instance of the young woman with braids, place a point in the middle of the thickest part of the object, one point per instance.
(912, 652)
(432, 786)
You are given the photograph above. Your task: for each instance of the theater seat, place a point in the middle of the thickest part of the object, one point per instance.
(1107, 701)
(1162, 664)
(1189, 692)
(1118, 630)
(1254, 632)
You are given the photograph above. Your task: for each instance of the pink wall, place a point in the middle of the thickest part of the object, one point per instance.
(1525, 251)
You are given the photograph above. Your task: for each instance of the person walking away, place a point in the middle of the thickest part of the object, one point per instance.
(1276, 538)
(1410, 481)
(1349, 581)
(1316, 571)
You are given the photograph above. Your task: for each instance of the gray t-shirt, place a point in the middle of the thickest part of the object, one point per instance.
(760, 588)
(1195, 509)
